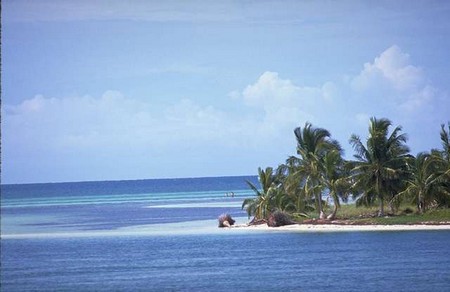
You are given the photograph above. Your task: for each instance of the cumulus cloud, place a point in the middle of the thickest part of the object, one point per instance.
(393, 66)
(393, 78)
(391, 86)
(277, 97)
(271, 91)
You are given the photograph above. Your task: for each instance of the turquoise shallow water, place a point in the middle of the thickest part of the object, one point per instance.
(110, 206)
(161, 235)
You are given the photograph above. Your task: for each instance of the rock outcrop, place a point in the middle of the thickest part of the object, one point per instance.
(279, 218)
(225, 220)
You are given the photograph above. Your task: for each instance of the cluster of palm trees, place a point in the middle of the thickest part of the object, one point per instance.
(383, 173)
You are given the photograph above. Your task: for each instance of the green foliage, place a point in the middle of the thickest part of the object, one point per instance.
(268, 197)
(433, 216)
(423, 181)
(314, 145)
(445, 139)
(379, 164)
(383, 172)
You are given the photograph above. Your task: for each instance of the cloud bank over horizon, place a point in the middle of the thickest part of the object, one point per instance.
(135, 137)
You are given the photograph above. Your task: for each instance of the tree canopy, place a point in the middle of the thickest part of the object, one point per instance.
(382, 172)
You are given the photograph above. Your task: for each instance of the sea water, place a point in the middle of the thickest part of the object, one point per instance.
(162, 235)
(100, 207)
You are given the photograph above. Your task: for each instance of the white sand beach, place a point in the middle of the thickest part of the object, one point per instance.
(341, 227)
(210, 227)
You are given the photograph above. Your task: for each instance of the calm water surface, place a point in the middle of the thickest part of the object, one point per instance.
(49, 258)
(351, 261)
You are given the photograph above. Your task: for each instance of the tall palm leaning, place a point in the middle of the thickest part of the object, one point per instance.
(312, 145)
(294, 186)
(335, 179)
(380, 161)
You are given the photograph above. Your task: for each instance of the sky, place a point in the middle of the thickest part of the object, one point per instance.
(116, 90)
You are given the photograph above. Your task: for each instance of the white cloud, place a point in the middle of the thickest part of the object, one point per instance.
(393, 66)
(111, 121)
(76, 121)
(389, 87)
(274, 95)
(393, 79)
(85, 134)
(272, 91)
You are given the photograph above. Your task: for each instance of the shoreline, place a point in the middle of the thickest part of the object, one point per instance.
(209, 227)
(342, 227)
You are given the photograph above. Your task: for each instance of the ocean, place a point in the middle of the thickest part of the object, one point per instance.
(162, 235)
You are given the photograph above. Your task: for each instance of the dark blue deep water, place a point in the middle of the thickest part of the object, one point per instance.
(39, 251)
(353, 261)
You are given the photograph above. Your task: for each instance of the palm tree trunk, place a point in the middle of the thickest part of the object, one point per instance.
(380, 197)
(333, 215)
(381, 211)
(319, 205)
(420, 204)
(392, 207)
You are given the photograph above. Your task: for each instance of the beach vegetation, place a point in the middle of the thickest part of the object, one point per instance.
(423, 182)
(406, 214)
(379, 164)
(319, 181)
(261, 205)
(313, 145)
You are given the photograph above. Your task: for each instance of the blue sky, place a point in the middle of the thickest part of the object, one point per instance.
(106, 90)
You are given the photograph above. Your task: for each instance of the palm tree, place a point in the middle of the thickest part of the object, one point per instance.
(423, 182)
(442, 196)
(294, 187)
(429, 181)
(335, 179)
(260, 206)
(379, 162)
(312, 145)
(445, 138)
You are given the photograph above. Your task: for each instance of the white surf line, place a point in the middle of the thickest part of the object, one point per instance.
(164, 229)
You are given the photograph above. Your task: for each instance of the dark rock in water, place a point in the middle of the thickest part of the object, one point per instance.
(225, 220)
(279, 218)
